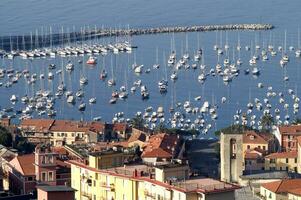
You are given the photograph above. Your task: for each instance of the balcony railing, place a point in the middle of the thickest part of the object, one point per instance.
(86, 194)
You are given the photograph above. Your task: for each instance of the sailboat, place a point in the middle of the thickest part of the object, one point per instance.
(92, 60)
(157, 65)
(298, 51)
(111, 81)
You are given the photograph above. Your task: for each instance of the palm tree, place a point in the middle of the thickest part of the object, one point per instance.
(137, 122)
(267, 121)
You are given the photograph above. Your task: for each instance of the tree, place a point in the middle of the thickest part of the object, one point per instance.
(5, 137)
(22, 145)
(267, 122)
(233, 129)
(138, 122)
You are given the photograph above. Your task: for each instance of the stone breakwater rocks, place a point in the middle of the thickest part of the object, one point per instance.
(177, 29)
(38, 41)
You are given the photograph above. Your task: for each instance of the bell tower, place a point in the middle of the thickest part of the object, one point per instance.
(231, 157)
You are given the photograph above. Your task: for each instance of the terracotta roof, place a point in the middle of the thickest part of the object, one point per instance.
(138, 136)
(291, 154)
(119, 127)
(251, 137)
(290, 129)
(161, 145)
(296, 192)
(24, 164)
(62, 125)
(37, 124)
(59, 150)
(251, 156)
(283, 186)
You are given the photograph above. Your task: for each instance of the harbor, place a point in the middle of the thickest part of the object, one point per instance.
(46, 38)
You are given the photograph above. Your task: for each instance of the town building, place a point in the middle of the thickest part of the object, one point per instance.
(282, 161)
(263, 141)
(25, 172)
(46, 192)
(61, 132)
(162, 147)
(280, 190)
(142, 182)
(287, 136)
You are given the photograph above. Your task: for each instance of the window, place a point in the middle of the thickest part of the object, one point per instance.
(286, 160)
(295, 169)
(272, 160)
(50, 176)
(259, 147)
(263, 147)
(248, 147)
(296, 160)
(94, 197)
(29, 178)
(72, 134)
(289, 144)
(44, 175)
(286, 168)
(280, 168)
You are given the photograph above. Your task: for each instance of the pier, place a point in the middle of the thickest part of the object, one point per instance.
(35, 41)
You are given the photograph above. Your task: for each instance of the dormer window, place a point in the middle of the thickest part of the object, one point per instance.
(252, 137)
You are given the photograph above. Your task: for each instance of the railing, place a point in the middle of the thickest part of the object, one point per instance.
(195, 186)
(149, 194)
(86, 194)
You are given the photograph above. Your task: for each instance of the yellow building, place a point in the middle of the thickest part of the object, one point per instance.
(280, 190)
(252, 140)
(108, 159)
(284, 161)
(141, 182)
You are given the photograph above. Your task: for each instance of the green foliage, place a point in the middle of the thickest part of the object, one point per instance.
(22, 145)
(137, 122)
(267, 122)
(233, 129)
(5, 137)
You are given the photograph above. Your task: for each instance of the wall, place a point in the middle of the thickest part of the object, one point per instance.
(280, 164)
(231, 169)
(219, 196)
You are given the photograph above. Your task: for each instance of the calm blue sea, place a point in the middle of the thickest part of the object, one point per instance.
(22, 17)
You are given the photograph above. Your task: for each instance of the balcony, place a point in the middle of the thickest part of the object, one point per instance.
(149, 194)
(110, 187)
(86, 195)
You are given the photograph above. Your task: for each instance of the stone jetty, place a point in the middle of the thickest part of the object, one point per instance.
(34, 41)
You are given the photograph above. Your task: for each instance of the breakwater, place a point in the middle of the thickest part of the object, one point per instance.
(35, 41)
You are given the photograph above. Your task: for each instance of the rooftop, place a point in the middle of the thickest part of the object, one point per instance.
(283, 186)
(290, 129)
(252, 137)
(60, 188)
(161, 145)
(291, 154)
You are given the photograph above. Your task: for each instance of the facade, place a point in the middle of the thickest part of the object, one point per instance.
(21, 174)
(61, 132)
(287, 161)
(252, 140)
(254, 160)
(46, 192)
(25, 172)
(137, 182)
(287, 136)
(280, 190)
(231, 152)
